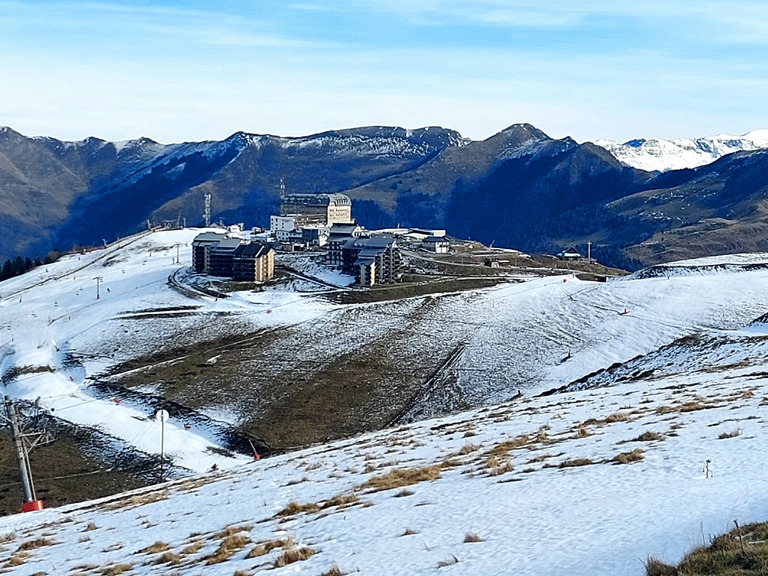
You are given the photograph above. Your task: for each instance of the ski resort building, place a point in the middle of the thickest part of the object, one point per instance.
(219, 254)
(436, 244)
(327, 209)
(201, 247)
(372, 260)
(253, 262)
(339, 235)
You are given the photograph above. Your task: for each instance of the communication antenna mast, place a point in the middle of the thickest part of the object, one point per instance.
(207, 214)
(282, 189)
(27, 431)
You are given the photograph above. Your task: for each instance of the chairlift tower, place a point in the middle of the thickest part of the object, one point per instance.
(27, 431)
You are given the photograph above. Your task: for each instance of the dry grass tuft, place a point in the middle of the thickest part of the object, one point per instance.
(155, 548)
(17, 559)
(192, 548)
(497, 466)
(472, 537)
(37, 543)
(731, 434)
(266, 547)
(231, 531)
(400, 477)
(574, 462)
(654, 567)
(293, 555)
(333, 571)
(409, 532)
(582, 432)
(340, 500)
(404, 492)
(617, 417)
(168, 558)
(138, 500)
(116, 569)
(468, 449)
(450, 562)
(228, 547)
(91, 526)
(626, 457)
(649, 437)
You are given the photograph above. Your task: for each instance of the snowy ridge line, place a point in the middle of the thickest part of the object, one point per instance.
(665, 270)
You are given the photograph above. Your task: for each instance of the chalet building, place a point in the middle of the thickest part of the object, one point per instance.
(253, 262)
(372, 260)
(201, 247)
(339, 235)
(569, 254)
(436, 244)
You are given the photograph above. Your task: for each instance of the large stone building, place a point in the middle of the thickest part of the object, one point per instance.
(327, 209)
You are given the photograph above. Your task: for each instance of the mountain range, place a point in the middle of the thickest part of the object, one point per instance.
(519, 188)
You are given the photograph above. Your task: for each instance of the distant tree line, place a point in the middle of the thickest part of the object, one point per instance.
(18, 265)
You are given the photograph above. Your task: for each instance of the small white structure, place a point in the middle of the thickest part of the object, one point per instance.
(569, 254)
(282, 226)
(436, 244)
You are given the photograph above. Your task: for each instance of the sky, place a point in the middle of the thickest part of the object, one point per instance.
(178, 70)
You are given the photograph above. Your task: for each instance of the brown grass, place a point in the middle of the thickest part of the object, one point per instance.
(37, 543)
(168, 558)
(497, 466)
(155, 548)
(400, 477)
(265, 547)
(293, 555)
(340, 500)
(574, 462)
(582, 432)
(231, 531)
(138, 500)
(17, 559)
(731, 434)
(333, 571)
(228, 547)
(192, 548)
(626, 457)
(91, 526)
(654, 567)
(116, 569)
(468, 449)
(472, 537)
(409, 532)
(649, 437)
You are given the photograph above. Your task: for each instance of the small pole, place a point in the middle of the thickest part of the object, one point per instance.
(98, 281)
(162, 417)
(177, 254)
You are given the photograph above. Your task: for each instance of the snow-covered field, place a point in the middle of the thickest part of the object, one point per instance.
(530, 485)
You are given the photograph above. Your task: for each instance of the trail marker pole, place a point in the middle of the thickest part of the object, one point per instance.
(162, 417)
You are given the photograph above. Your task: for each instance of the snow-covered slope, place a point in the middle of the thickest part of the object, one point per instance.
(535, 487)
(656, 154)
(532, 486)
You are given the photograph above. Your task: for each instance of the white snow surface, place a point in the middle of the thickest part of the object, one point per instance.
(506, 472)
(657, 154)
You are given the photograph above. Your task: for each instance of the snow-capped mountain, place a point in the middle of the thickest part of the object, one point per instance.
(648, 457)
(656, 154)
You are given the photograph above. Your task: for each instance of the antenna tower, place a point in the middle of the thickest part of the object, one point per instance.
(207, 214)
(29, 428)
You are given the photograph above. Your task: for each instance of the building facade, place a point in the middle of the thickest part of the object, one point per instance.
(372, 260)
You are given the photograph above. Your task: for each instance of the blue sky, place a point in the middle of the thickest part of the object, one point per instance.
(193, 70)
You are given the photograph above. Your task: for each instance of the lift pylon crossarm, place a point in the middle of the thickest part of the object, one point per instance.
(27, 432)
